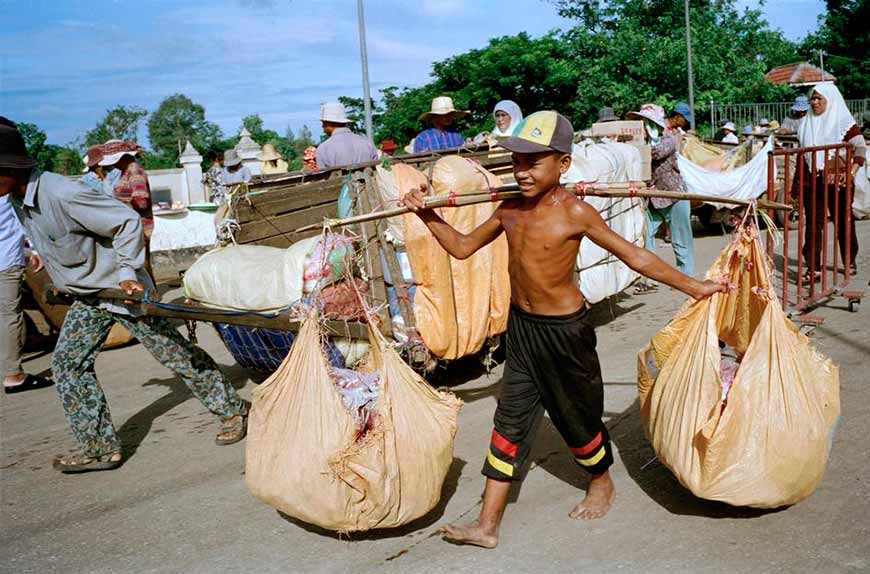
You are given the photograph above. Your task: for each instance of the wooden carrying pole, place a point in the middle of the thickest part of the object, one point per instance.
(513, 191)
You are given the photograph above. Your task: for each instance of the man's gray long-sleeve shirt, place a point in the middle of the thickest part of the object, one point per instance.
(87, 241)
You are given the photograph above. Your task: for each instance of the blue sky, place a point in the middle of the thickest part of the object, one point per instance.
(64, 62)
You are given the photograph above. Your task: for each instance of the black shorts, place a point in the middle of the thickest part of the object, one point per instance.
(551, 365)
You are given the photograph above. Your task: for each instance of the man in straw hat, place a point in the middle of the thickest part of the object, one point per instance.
(272, 161)
(441, 115)
(662, 138)
(233, 171)
(729, 133)
(90, 242)
(551, 364)
(343, 146)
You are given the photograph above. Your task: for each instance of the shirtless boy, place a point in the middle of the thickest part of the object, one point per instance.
(551, 361)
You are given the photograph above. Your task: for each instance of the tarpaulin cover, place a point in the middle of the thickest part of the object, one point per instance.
(303, 456)
(713, 157)
(458, 304)
(601, 273)
(767, 445)
(745, 182)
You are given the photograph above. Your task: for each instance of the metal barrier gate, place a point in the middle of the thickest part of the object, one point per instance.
(817, 179)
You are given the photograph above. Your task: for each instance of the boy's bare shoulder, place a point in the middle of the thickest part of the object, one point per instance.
(580, 211)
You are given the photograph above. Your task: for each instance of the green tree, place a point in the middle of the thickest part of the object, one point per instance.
(254, 124)
(121, 122)
(621, 54)
(35, 142)
(845, 42)
(355, 108)
(176, 120)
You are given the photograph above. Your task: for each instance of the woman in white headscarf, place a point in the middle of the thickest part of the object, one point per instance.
(507, 116)
(828, 122)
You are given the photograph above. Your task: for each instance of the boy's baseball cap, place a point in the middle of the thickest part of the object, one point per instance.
(540, 132)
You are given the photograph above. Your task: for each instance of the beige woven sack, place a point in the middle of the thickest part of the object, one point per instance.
(303, 456)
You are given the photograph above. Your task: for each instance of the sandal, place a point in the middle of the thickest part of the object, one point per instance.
(812, 277)
(78, 463)
(645, 288)
(234, 428)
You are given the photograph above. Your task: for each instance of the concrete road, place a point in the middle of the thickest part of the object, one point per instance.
(179, 504)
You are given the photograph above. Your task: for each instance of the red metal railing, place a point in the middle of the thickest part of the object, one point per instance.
(803, 292)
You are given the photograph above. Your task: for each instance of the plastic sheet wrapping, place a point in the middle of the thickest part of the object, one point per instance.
(457, 304)
(767, 443)
(748, 181)
(305, 458)
(602, 274)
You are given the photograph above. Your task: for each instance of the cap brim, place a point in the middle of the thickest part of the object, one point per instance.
(231, 163)
(519, 145)
(17, 162)
(115, 158)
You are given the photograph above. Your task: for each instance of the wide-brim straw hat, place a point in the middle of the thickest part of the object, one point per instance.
(269, 153)
(652, 112)
(13, 151)
(114, 150)
(442, 106)
(231, 158)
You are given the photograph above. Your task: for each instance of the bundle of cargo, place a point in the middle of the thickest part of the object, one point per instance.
(750, 425)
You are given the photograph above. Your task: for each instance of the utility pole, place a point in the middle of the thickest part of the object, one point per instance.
(691, 79)
(367, 98)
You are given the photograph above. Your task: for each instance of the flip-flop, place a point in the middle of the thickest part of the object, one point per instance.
(30, 383)
(645, 289)
(235, 427)
(78, 463)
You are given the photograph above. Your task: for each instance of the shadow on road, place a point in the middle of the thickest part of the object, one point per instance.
(447, 491)
(138, 426)
(656, 480)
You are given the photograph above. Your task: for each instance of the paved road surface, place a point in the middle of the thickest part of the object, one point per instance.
(180, 504)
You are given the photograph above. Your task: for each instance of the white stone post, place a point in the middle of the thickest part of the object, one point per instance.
(249, 152)
(191, 161)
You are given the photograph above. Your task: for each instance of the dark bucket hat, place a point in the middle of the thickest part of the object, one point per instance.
(13, 152)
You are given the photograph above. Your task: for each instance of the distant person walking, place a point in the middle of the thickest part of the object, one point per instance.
(343, 146)
(441, 135)
(665, 176)
(799, 109)
(829, 122)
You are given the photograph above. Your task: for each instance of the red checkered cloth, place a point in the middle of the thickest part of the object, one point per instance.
(133, 189)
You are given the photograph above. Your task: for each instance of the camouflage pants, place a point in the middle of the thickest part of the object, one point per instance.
(84, 330)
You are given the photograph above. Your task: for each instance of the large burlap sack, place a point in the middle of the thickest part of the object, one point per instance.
(767, 445)
(303, 456)
(249, 277)
(458, 304)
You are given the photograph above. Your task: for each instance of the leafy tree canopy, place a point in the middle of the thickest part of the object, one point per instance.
(844, 38)
(176, 120)
(121, 122)
(621, 54)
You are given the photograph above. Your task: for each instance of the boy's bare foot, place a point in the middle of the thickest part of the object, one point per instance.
(599, 498)
(473, 534)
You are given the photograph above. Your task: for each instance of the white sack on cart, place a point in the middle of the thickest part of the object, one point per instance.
(601, 273)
